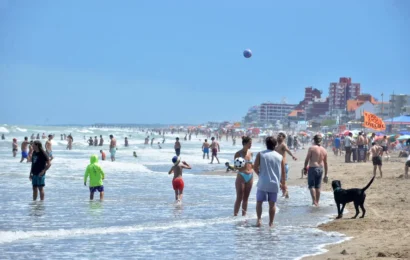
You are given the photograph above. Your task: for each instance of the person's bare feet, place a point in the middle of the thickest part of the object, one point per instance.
(271, 224)
(287, 195)
(258, 223)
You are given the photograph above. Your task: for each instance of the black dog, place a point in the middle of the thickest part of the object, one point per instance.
(345, 196)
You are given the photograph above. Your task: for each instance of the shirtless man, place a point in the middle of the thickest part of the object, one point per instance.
(15, 147)
(146, 140)
(282, 149)
(317, 160)
(69, 142)
(215, 149)
(126, 141)
(205, 149)
(376, 152)
(360, 146)
(49, 147)
(177, 146)
(95, 141)
(177, 181)
(24, 151)
(113, 147)
(101, 141)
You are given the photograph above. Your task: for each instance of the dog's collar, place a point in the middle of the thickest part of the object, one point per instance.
(337, 189)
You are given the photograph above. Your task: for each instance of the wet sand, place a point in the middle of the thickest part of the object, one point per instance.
(385, 230)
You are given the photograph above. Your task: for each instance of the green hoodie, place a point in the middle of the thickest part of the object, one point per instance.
(95, 172)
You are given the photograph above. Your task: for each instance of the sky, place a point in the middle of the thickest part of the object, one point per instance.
(83, 62)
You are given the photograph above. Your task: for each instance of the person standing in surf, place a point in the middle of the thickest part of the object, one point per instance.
(244, 178)
(205, 149)
(282, 149)
(177, 181)
(177, 146)
(24, 150)
(96, 177)
(270, 167)
(49, 147)
(113, 147)
(215, 149)
(40, 163)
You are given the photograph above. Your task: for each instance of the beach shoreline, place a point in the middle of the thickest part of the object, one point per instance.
(383, 231)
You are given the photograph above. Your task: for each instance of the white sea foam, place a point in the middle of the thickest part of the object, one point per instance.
(4, 130)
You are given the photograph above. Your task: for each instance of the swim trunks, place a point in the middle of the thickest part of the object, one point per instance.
(50, 153)
(206, 150)
(24, 154)
(408, 163)
(97, 188)
(315, 177)
(177, 151)
(113, 151)
(14, 150)
(286, 170)
(266, 196)
(384, 148)
(38, 181)
(377, 160)
(178, 184)
(214, 152)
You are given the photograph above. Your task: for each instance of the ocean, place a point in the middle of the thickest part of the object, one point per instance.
(138, 218)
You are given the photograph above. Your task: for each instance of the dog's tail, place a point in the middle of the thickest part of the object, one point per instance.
(368, 185)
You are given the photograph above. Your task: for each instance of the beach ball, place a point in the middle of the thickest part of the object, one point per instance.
(239, 162)
(247, 53)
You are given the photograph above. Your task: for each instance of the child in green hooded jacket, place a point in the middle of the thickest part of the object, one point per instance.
(96, 177)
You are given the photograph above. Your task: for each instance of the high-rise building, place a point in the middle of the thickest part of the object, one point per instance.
(340, 92)
(398, 102)
(269, 113)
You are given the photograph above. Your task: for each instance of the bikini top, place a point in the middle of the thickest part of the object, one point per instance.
(246, 161)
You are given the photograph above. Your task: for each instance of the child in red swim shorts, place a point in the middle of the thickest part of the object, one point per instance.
(177, 181)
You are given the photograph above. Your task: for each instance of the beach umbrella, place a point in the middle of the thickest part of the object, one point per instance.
(403, 137)
(377, 138)
(346, 132)
(392, 138)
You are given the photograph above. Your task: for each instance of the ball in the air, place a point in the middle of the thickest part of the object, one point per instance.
(247, 53)
(239, 162)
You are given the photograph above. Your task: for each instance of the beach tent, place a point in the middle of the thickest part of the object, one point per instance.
(400, 120)
(403, 137)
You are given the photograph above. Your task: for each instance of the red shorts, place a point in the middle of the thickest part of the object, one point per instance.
(178, 184)
(214, 152)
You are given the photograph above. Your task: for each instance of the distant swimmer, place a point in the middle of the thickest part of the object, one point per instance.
(2, 137)
(152, 141)
(135, 154)
(316, 158)
(126, 142)
(39, 166)
(177, 181)
(215, 149)
(163, 140)
(32, 137)
(49, 147)
(62, 137)
(90, 141)
(43, 136)
(69, 142)
(229, 167)
(159, 145)
(146, 140)
(14, 147)
(101, 141)
(24, 149)
(96, 177)
(177, 146)
(95, 141)
(38, 137)
(205, 149)
(65, 136)
(30, 151)
(84, 138)
(102, 155)
(113, 147)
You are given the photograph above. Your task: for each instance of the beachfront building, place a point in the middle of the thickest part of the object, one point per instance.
(317, 108)
(340, 92)
(270, 113)
(252, 116)
(398, 102)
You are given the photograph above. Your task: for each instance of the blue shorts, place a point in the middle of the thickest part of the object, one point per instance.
(206, 150)
(24, 154)
(266, 196)
(38, 181)
(113, 151)
(286, 170)
(178, 151)
(50, 153)
(315, 177)
(97, 188)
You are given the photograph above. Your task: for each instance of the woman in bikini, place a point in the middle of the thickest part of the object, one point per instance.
(244, 178)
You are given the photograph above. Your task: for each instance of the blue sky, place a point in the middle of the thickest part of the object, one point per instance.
(181, 61)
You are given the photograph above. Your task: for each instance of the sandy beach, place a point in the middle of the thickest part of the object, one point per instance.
(385, 230)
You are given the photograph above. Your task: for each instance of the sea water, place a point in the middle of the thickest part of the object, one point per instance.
(139, 218)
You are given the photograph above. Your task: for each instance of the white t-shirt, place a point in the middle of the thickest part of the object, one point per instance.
(348, 141)
(408, 158)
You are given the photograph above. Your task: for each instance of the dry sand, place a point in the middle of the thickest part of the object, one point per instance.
(385, 230)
